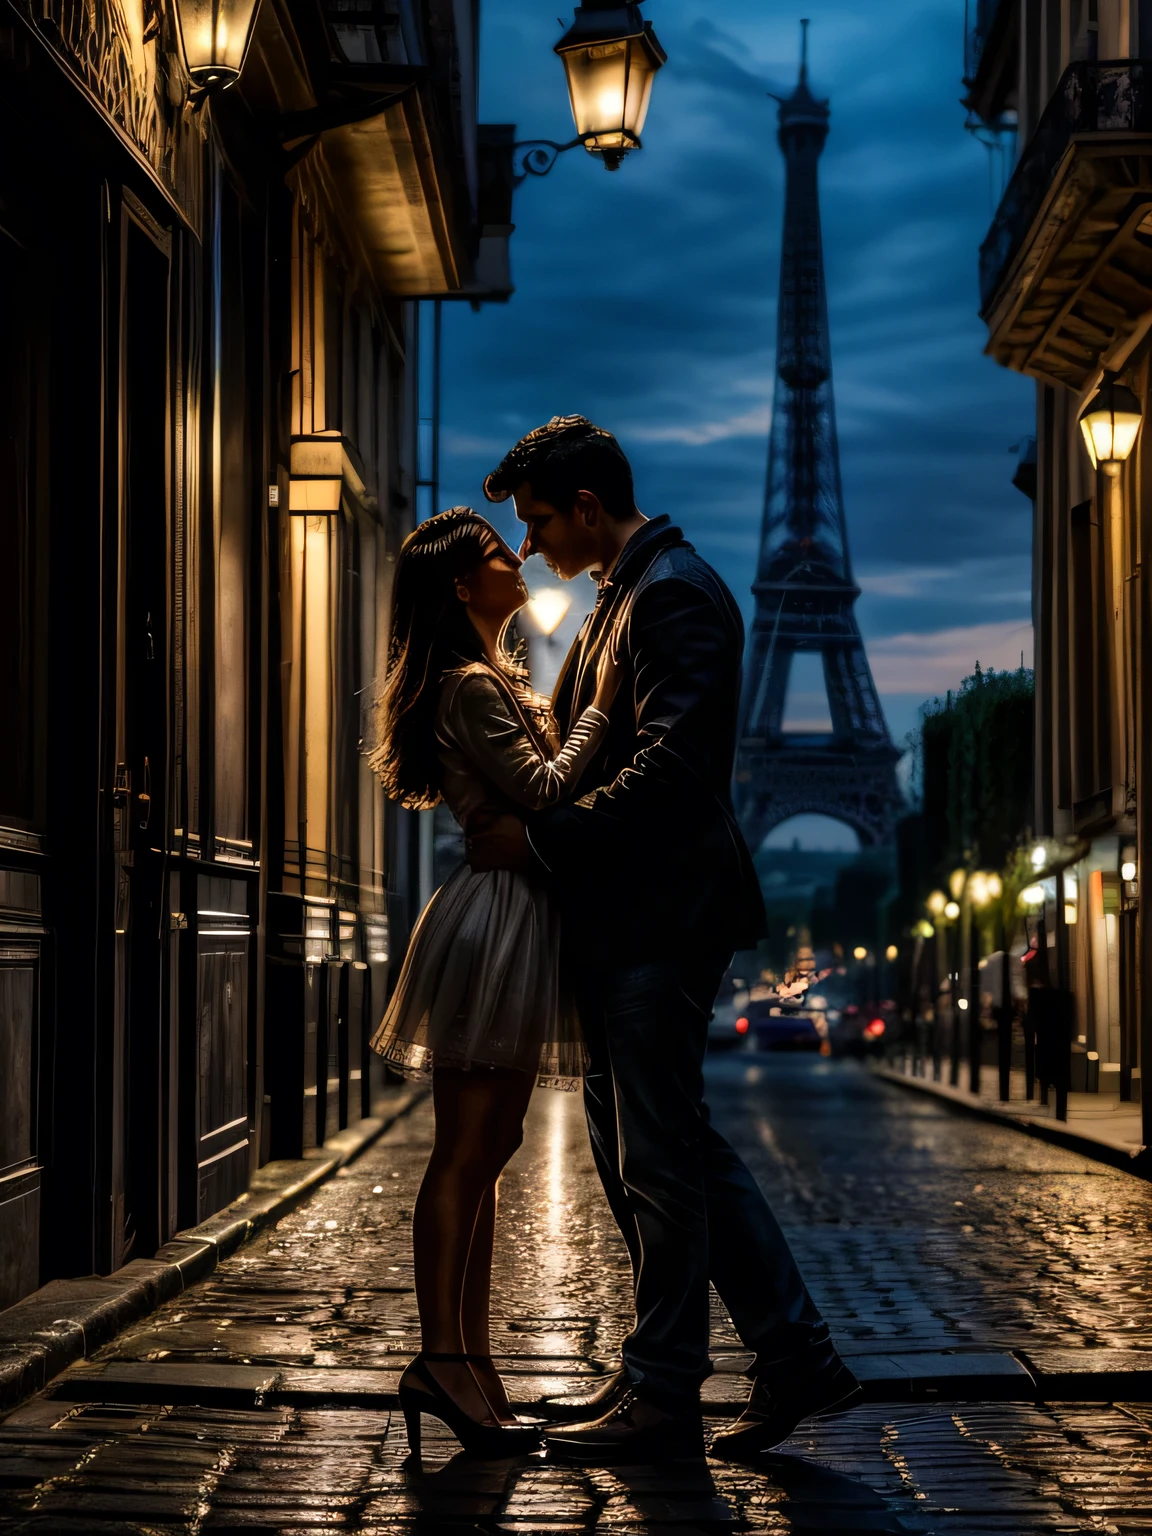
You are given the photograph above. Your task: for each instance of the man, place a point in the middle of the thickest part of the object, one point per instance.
(657, 889)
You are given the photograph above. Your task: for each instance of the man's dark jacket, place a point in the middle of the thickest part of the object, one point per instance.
(653, 860)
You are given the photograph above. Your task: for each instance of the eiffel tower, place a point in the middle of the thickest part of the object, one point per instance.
(805, 594)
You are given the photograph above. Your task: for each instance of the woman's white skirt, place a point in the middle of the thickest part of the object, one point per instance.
(480, 985)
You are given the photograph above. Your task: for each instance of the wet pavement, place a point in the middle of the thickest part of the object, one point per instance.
(259, 1400)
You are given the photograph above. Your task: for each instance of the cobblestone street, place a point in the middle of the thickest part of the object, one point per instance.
(259, 1400)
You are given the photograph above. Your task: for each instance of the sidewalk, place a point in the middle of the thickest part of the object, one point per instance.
(1098, 1123)
(67, 1320)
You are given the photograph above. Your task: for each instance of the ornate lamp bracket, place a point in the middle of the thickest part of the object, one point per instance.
(536, 157)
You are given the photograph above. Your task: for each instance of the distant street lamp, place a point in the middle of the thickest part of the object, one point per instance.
(610, 56)
(546, 609)
(215, 35)
(952, 910)
(936, 903)
(1110, 423)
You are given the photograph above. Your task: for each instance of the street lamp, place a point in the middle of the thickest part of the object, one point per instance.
(215, 35)
(1110, 422)
(936, 903)
(546, 609)
(610, 55)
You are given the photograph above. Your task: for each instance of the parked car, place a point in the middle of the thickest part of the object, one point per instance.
(778, 1027)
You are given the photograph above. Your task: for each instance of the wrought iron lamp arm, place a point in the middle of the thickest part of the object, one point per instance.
(536, 157)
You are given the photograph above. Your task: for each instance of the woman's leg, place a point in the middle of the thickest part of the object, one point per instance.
(479, 1115)
(478, 1280)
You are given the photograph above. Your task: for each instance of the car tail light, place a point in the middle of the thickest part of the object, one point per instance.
(741, 1026)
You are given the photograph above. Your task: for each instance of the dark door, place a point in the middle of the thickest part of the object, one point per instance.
(142, 731)
(222, 1129)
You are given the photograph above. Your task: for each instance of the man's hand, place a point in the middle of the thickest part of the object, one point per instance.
(503, 844)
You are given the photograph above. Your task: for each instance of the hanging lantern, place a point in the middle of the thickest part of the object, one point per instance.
(1110, 423)
(215, 35)
(610, 56)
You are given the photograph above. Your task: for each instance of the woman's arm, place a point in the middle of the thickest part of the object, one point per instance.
(487, 728)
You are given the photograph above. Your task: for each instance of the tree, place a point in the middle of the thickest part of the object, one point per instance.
(977, 771)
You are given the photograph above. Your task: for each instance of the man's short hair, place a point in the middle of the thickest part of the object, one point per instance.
(570, 454)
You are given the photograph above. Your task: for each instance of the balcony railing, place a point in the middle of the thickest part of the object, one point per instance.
(1092, 98)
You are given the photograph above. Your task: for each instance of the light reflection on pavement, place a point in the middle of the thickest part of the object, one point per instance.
(916, 1228)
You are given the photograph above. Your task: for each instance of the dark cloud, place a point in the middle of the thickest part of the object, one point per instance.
(647, 299)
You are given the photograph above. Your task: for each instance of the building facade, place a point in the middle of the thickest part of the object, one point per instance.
(211, 448)
(1066, 292)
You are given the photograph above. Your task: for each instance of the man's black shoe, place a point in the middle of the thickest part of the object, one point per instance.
(586, 1404)
(633, 1431)
(779, 1402)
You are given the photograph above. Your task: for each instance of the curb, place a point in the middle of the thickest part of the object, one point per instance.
(1043, 1375)
(1138, 1163)
(66, 1320)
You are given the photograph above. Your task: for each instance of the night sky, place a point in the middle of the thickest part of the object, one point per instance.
(647, 301)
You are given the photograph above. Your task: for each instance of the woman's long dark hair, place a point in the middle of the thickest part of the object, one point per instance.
(431, 635)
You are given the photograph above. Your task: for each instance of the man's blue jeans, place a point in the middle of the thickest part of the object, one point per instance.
(688, 1208)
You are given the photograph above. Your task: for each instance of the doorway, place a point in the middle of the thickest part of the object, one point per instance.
(141, 817)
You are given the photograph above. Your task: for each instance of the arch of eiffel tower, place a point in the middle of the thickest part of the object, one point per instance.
(804, 590)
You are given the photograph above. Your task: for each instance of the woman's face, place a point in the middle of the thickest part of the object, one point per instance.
(495, 590)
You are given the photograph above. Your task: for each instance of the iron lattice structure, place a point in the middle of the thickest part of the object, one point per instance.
(804, 590)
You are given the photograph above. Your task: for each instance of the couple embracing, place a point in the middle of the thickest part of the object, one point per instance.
(583, 943)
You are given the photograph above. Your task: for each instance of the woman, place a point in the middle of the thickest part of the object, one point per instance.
(478, 1003)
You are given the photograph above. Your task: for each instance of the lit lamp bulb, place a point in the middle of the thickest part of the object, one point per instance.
(215, 35)
(952, 910)
(610, 56)
(1032, 896)
(1128, 870)
(859, 952)
(546, 609)
(1039, 856)
(1110, 423)
(956, 882)
(936, 903)
(891, 952)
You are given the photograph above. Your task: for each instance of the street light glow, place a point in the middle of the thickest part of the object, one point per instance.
(859, 952)
(952, 910)
(1128, 870)
(956, 882)
(936, 903)
(1039, 856)
(547, 609)
(610, 56)
(891, 952)
(1110, 423)
(1032, 896)
(214, 35)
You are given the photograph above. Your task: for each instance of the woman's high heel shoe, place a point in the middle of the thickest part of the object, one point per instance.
(419, 1392)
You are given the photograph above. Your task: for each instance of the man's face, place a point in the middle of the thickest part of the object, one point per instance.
(566, 541)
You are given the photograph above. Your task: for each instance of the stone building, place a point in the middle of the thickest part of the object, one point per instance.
(210, 424)
(1066, 292)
